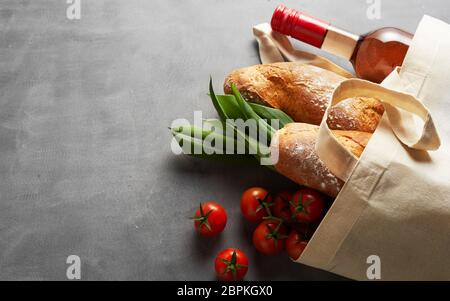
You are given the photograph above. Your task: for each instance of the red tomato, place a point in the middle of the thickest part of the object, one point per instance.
(281, 207)
(231, 264)
(304, 230)
(295, 244)
(307, 205)
(210, 219)
(269, 237)
(255, 203)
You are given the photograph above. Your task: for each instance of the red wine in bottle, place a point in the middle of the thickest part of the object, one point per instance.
(374, 55)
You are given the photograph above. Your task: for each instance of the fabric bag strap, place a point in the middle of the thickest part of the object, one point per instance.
(416, 133)
(420, 135)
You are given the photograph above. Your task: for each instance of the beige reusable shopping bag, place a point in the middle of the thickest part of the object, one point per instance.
(395, 205)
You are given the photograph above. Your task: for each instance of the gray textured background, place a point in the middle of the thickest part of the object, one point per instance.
(85, 160)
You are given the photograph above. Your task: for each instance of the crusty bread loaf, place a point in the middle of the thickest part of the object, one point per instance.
(356, 114)
(304, 92)
(354, 141)
(297, 158)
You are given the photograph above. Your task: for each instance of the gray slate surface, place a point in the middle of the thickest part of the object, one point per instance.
(85, 160)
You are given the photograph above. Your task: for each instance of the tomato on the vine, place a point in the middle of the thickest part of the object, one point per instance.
(269, 237)
(307, 205)
(281, 206)
(210, 219)
(231, 264)
(295, 244)
(255, 204)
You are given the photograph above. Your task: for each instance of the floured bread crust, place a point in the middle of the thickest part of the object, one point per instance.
(298, 160)
(304, 92)
(357, 114)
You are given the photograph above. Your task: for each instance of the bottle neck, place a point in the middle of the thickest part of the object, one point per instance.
(340, 42)
(314, 31)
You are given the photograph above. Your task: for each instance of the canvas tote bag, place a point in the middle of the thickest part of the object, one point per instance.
(394, 210)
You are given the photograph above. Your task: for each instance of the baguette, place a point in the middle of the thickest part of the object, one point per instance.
(297, 158)
(356, 114)
(304, 92)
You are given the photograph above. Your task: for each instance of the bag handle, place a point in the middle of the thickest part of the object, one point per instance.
(400, 107)
(419, 133)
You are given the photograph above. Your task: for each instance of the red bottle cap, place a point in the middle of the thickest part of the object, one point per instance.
(299, 25)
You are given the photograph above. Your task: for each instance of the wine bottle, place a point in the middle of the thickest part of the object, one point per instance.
(373, 55)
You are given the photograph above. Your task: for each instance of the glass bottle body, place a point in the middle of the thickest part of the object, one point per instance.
(378, 53)
(373, 55)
